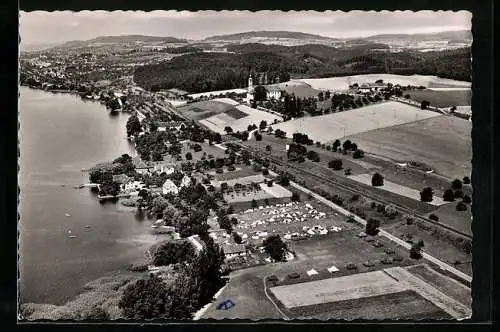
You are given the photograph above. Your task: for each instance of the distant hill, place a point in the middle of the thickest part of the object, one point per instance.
(464, 35)
(268, 34)
(125, 39)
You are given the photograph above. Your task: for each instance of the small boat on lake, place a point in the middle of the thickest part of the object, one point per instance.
(72, 236)
(87, 226)
(68, 215)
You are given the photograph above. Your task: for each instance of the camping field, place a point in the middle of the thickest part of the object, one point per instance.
(205, 109)
(327, 128)
(443, 142)
(442, 98)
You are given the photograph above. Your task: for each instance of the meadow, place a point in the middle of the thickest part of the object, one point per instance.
(442, 142)
(327, 128)
(343, 82)
(442, 98)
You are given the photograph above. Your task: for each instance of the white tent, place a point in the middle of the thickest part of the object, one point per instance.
(312, 272)
(332, 269)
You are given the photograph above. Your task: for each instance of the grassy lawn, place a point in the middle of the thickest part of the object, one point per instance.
(442, 98)
(230, 175)
(436, 245)
(461, 220)
(246, 290)
(206, 148)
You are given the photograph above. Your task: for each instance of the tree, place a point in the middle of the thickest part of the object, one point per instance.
(426, 194)
(466, 199)
(348, 171)
(434, 217)
(260, 93)
(336, 145)
(461, 206)
(97, 313)
(275, 247)
(237, 238)
(415, 250)
(270, 183)
(268, 148)
(279, 133)
(466, 180)
(133, 125)
(254, 203)
(372, 226)
(453, 109)
(336, 164)
(228, 130)
(458, 194)
(173, 253)
(456, 184)
(145, 299)
(448, 195)
(263, 125)
(424, 104)
(295, 197)
(258, 137)
(407, 96)
(347, 145)
(358, 154)
(189, 156)
(283, 180)
(377, 180)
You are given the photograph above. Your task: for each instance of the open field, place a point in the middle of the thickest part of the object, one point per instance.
(327, 128)
(276, 190)
(461, 220)
(206, 148)
(397, 189)
(443, 142)
(449, 286)
(343, 82)
(217, 122)
(238, 173)
(442, 98)
(337, 289)
(205, 109)
(407, 305)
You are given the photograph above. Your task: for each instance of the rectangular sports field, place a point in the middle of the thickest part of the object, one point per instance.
(337, 289)
(443, 142)
(327, 128)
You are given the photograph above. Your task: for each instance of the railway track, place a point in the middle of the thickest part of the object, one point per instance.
(354, 188)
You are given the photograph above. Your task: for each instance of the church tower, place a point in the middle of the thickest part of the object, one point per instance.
(250, 89)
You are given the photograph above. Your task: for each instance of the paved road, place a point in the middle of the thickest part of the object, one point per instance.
(391, 237)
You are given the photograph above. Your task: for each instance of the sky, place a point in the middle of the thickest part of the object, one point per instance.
(40, 27)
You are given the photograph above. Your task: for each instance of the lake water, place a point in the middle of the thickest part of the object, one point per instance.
(59, 135)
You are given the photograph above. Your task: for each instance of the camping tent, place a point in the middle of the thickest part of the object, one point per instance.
(225, 305)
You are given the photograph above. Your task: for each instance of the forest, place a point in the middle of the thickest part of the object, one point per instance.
(202, 72)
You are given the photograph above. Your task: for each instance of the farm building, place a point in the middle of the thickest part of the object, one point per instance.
(273, 92)
(140, 166)
(234, 250)
(186, 181)
(197, 243)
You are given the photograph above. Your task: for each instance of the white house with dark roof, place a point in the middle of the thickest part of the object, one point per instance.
(234, 250)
